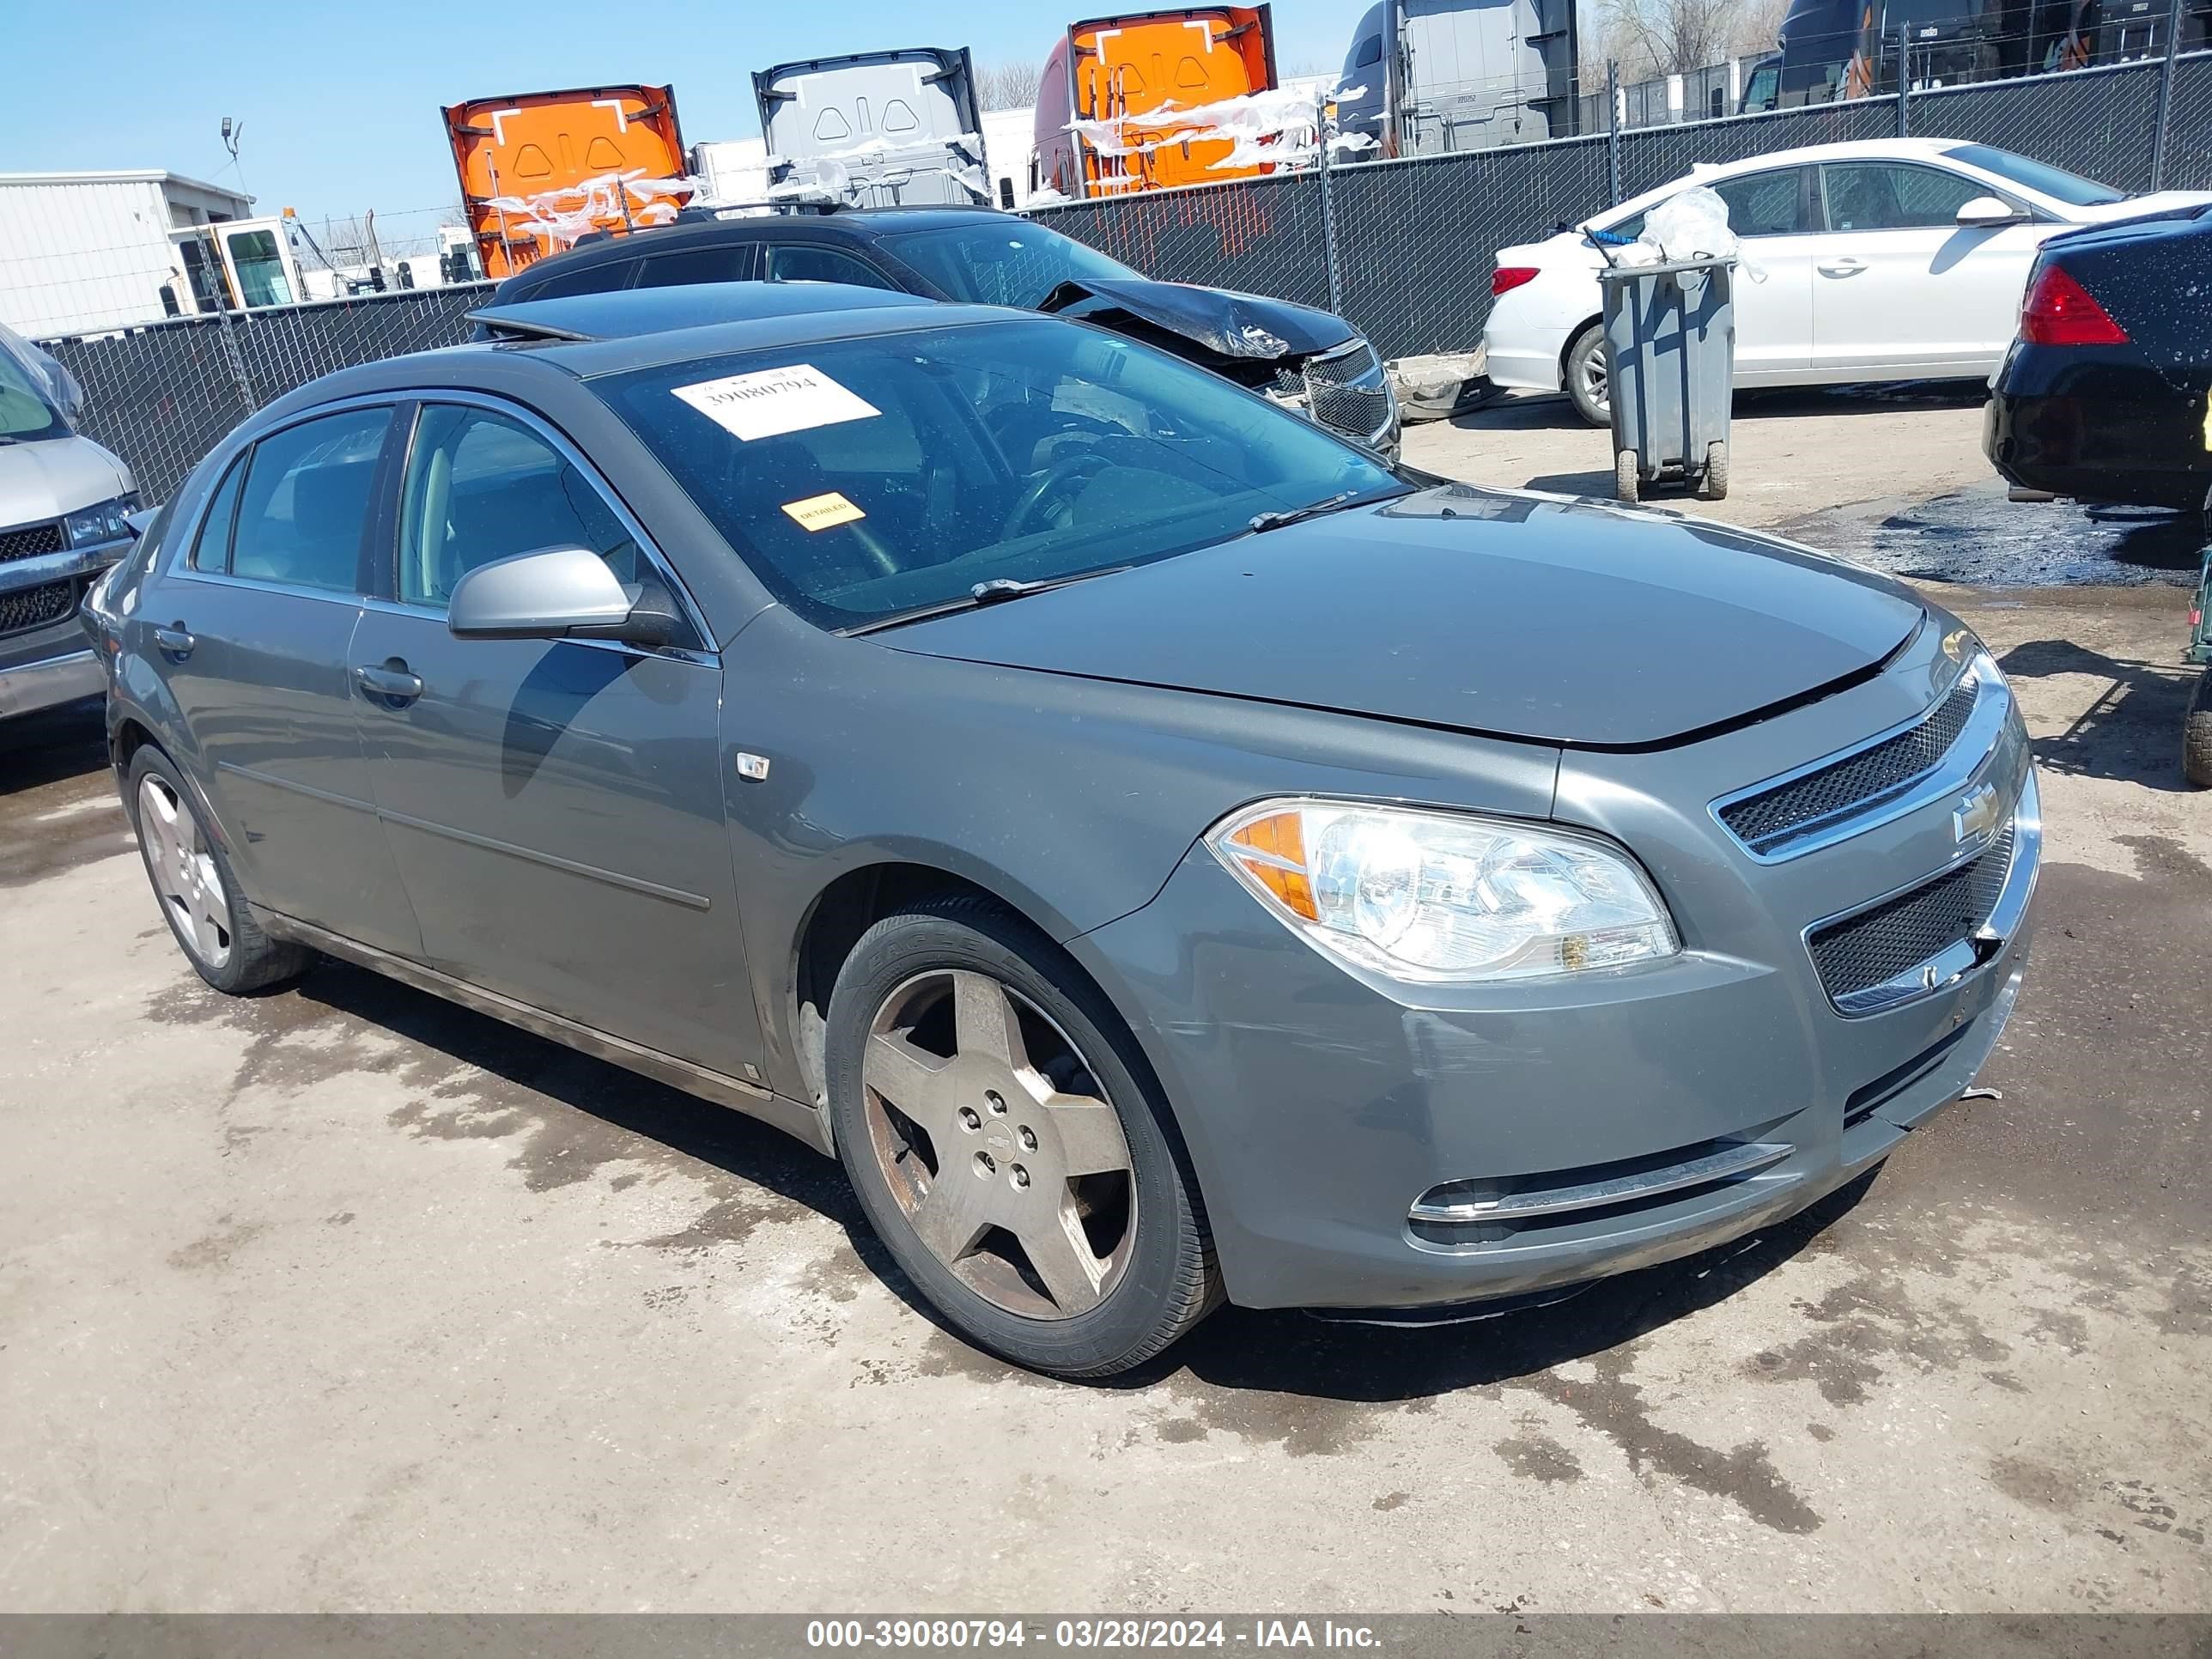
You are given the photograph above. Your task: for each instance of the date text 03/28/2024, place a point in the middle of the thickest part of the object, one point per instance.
(1124, 1633)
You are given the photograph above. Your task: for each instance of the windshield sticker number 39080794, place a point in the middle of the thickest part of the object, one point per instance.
(771, 402)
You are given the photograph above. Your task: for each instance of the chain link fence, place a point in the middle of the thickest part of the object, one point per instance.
(1403, 248)
(162, 397)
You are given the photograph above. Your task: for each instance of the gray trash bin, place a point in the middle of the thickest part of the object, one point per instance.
(1670, 340)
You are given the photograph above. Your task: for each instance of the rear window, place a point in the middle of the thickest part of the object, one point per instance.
(583, 279)
(2039, 176)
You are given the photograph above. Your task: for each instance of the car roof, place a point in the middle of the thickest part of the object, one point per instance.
(839, 224)
(509, 365)
(620, 313)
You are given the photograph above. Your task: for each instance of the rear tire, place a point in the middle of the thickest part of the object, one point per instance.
(1714, 486)
(2196, 735)
(1588, 378)
(1003, 1134)
(193, 883)
(1626, 486)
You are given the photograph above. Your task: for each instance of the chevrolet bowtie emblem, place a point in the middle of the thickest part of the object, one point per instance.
(1976, 815)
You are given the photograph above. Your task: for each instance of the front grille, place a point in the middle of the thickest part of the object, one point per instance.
(36, 607)
(30, 540)
(1875, 946)
(1771, 818)
(1345, 391)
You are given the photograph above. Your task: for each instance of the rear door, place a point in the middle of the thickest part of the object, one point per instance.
(886, 129)
(554, 808)
(1899, 287)
(1771, 214)
(252, 626)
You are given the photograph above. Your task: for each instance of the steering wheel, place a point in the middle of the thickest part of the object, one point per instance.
(1055, 479)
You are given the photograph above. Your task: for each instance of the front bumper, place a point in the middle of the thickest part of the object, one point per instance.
(30, 686)
(1361, 1146)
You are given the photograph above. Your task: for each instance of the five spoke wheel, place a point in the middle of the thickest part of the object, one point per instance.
(994, 1136)
(184, 873)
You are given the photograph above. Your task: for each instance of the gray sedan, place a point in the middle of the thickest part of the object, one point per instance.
(1167, 855)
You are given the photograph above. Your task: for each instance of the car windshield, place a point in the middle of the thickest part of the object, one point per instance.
(2044, 180)
(865, 479)
(27, 407)
(1001, 262)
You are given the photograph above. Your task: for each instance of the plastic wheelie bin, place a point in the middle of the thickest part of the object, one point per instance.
(1670, 342)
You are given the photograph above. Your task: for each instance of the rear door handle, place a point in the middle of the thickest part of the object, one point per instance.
(391, 683)
(176, 640)
(1843, 267)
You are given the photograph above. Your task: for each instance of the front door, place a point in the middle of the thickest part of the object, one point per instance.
(555, 807)
(253, 625)
(1900, 286)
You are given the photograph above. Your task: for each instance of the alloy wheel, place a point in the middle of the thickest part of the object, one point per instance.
(1595, 376)
(184, 875)
(996, 1141)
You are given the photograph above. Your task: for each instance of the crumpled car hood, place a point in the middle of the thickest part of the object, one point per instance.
(1249, 325)
(1489, 612)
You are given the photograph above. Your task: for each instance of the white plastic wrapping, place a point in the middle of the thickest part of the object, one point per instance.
(1280, 128)
(1692, 224)
(560, 217)
(886, 163)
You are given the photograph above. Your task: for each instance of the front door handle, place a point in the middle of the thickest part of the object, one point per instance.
(175, 641)
(1845, 267)
(390, 683)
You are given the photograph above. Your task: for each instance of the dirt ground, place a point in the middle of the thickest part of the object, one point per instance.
(343, 1298)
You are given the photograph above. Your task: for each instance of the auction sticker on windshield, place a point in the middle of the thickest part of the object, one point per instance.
(771, 402)
(822, 512)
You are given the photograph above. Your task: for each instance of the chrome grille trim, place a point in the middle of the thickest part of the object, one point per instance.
(2019, 844)
(1728, 1162)
(1893, 797)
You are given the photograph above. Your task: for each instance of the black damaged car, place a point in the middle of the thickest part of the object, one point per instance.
(1306, 358)
(2103, 394)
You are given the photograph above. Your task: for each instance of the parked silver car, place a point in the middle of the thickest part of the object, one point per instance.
(1167, 857)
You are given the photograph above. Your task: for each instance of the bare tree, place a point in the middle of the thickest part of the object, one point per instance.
(1007, 85)
(1670, 36)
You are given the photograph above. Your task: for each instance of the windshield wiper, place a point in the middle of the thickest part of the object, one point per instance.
(1262, 522)
(996, 590)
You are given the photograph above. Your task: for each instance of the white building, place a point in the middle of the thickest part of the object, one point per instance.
(83, 252)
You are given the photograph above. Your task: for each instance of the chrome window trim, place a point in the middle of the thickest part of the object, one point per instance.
(432, 613)
(540, 426)
(1958, 764)
(1955, 961)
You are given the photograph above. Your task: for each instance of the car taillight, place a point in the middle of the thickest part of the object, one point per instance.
(1506, 278)
(2060, 312)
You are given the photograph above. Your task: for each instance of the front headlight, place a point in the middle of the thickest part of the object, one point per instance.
(109, 521)
(1449, 897)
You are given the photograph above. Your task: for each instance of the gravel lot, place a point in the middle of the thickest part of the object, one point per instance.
(345, 1298)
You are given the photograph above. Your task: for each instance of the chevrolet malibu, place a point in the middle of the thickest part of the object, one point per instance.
(1166, 856)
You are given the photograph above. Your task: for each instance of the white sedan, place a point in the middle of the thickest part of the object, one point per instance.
(1891, 259)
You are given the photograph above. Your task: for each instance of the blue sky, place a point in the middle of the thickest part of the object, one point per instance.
(340, 102)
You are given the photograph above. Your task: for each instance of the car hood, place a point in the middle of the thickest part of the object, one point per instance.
(47, 478)
(1498, 612)
(1248, 326)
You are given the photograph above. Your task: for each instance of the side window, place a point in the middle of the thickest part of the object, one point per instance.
(729, 262)
(305, 507)
(1763, 204)
(211, 547)
(1370, 51)
(1890, 196)
(480, 487)
(799, 262)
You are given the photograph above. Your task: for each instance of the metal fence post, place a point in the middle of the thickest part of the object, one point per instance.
(1328, 210)
(235, 359)
(1904, 82)
(2158, 132)
(1613, 132)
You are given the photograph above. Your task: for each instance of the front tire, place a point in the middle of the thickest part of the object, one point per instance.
(1000, 1129)
(1588, 376)
(200, 897)
(2196, 735)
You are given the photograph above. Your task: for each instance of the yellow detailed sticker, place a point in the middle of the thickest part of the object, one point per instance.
(822, 511)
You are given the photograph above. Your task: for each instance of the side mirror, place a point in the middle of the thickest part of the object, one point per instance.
(1987, 212)
(557, 593)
